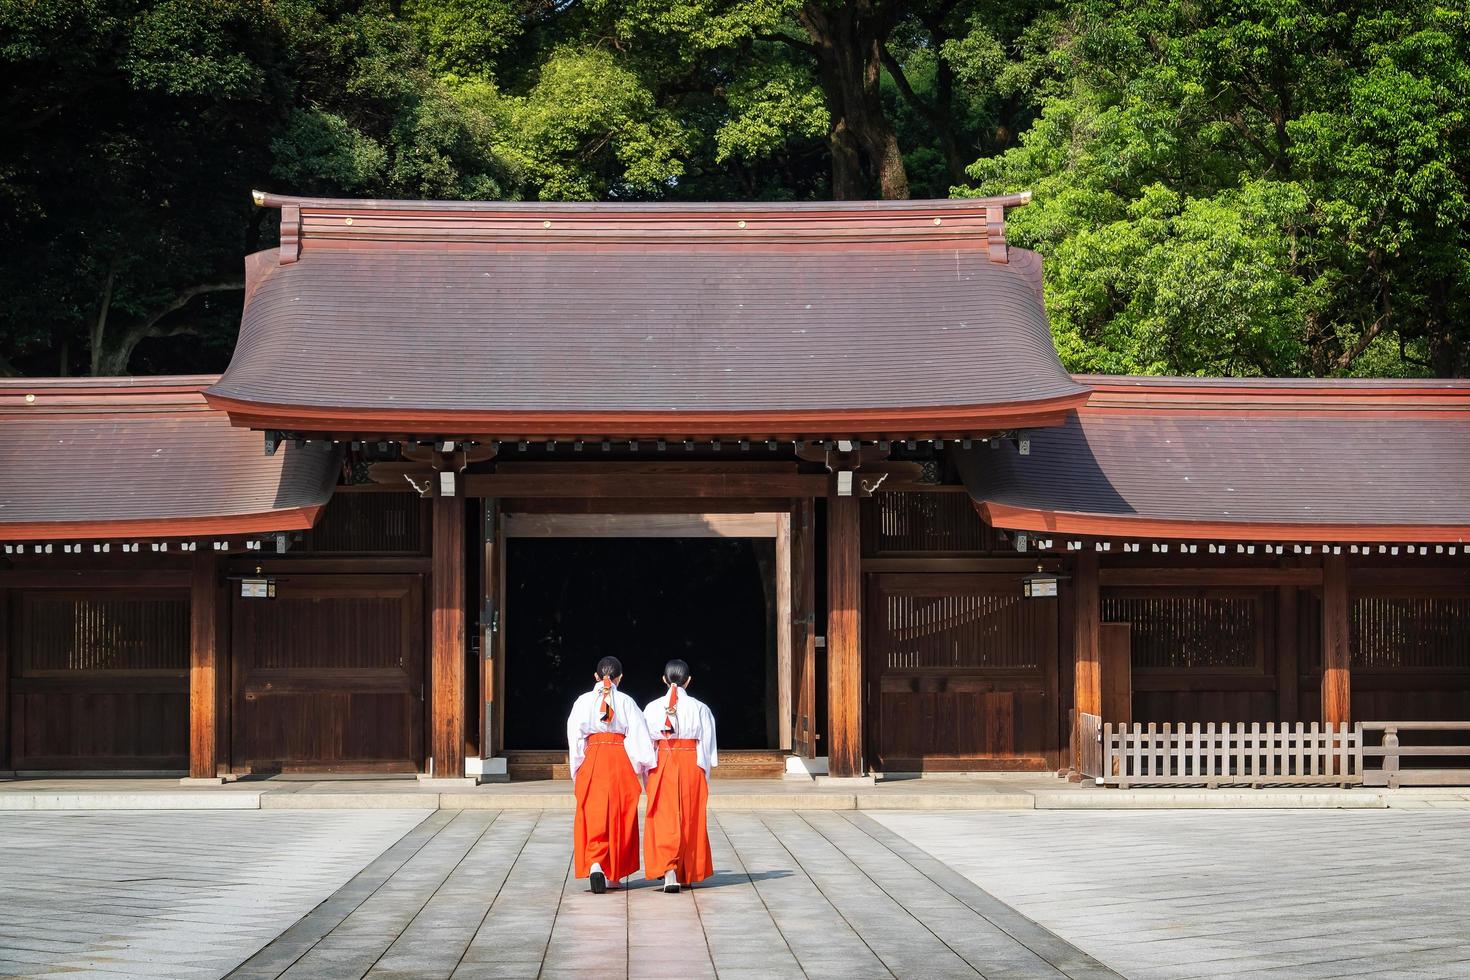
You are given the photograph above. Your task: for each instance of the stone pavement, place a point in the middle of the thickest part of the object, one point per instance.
(990, 791)
(489, 894)
(1182, 894)
(171, 894)
(1153, 895)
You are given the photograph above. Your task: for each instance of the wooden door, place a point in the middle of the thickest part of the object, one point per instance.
(963, 670)
(328, 676)
(803, 629)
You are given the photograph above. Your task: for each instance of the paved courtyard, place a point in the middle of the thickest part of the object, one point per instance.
(487, 893)
(1262, 893)
(178, 894)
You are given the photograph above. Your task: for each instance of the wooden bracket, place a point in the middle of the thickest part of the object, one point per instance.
(290, 233)
(995, 233)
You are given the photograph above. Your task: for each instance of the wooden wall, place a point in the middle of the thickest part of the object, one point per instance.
(1257, 655)
(962, 673)
(329, 675)
(97, 678)
(1200, 654)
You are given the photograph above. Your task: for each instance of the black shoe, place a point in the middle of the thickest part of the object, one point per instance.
(670, 887)
(599, 882)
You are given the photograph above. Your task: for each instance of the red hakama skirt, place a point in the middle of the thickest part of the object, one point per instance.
(675, 835)
(605, 830)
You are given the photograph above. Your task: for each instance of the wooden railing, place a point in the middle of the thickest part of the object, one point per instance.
(1213, 755)
(1391, 750)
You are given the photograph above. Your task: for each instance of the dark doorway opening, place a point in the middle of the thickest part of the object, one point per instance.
(571, 601)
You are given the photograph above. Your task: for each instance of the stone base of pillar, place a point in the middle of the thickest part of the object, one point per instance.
(492, 770)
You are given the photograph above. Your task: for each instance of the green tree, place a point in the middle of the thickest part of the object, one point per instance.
(1260, 187)
(141, 129)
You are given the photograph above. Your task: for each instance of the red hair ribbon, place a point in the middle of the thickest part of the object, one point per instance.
(607, 704)
(672, 710)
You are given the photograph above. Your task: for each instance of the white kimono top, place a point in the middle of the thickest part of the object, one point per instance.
(586, 719)
(692, 719)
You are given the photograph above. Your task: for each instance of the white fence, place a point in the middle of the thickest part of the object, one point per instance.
(1240, 754)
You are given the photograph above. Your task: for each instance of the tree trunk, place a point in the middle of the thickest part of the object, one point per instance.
(848, 40)
(848, 182)
(111, 360)
(99, 326)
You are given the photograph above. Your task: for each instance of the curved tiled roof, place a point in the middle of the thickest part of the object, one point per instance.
(144, 457)
(637, 320)
(1242, 459)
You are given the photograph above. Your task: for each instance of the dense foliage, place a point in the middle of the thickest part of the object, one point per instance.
(1248, 187)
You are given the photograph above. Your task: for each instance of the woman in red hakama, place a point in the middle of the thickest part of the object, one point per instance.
(609, 750)
(675, 834)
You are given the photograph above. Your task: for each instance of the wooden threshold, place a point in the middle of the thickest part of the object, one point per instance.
(528, 764)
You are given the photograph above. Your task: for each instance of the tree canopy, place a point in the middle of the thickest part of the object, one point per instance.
(1249, 187)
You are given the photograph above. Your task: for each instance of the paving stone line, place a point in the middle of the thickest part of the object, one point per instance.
(1189, 894)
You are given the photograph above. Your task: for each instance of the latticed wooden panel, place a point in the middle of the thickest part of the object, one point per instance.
(1429, 632)
(1190, 632)
(962, 631)
(369, 523)
(916, 522)
(70, 632)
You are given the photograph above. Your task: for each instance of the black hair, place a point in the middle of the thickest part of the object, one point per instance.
(676, 672)
(609, 667)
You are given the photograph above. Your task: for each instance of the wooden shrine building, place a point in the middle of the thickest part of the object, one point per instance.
(825, 452)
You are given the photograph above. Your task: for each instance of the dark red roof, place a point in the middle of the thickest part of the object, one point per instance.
(595, 320)
(1242, 459)
(144, 457)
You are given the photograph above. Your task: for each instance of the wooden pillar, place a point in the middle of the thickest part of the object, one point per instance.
(1115, 664)
(1086, 643)
(492, 558)
(447, 640)
(4, 680)
(784, 632)
(1336, 658)
(844, 638)
(204, 661)
(803, 628)
(1288, 666)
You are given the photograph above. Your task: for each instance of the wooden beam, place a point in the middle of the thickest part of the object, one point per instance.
(844, 637)
(1336, 657)
(643, 525)
(1427, 577)
(1086, 642)
(37, 578)
(652, 484)
(447, 640)
(204, 662)
(644, 505)
(1288, 664)
(1206, 577)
